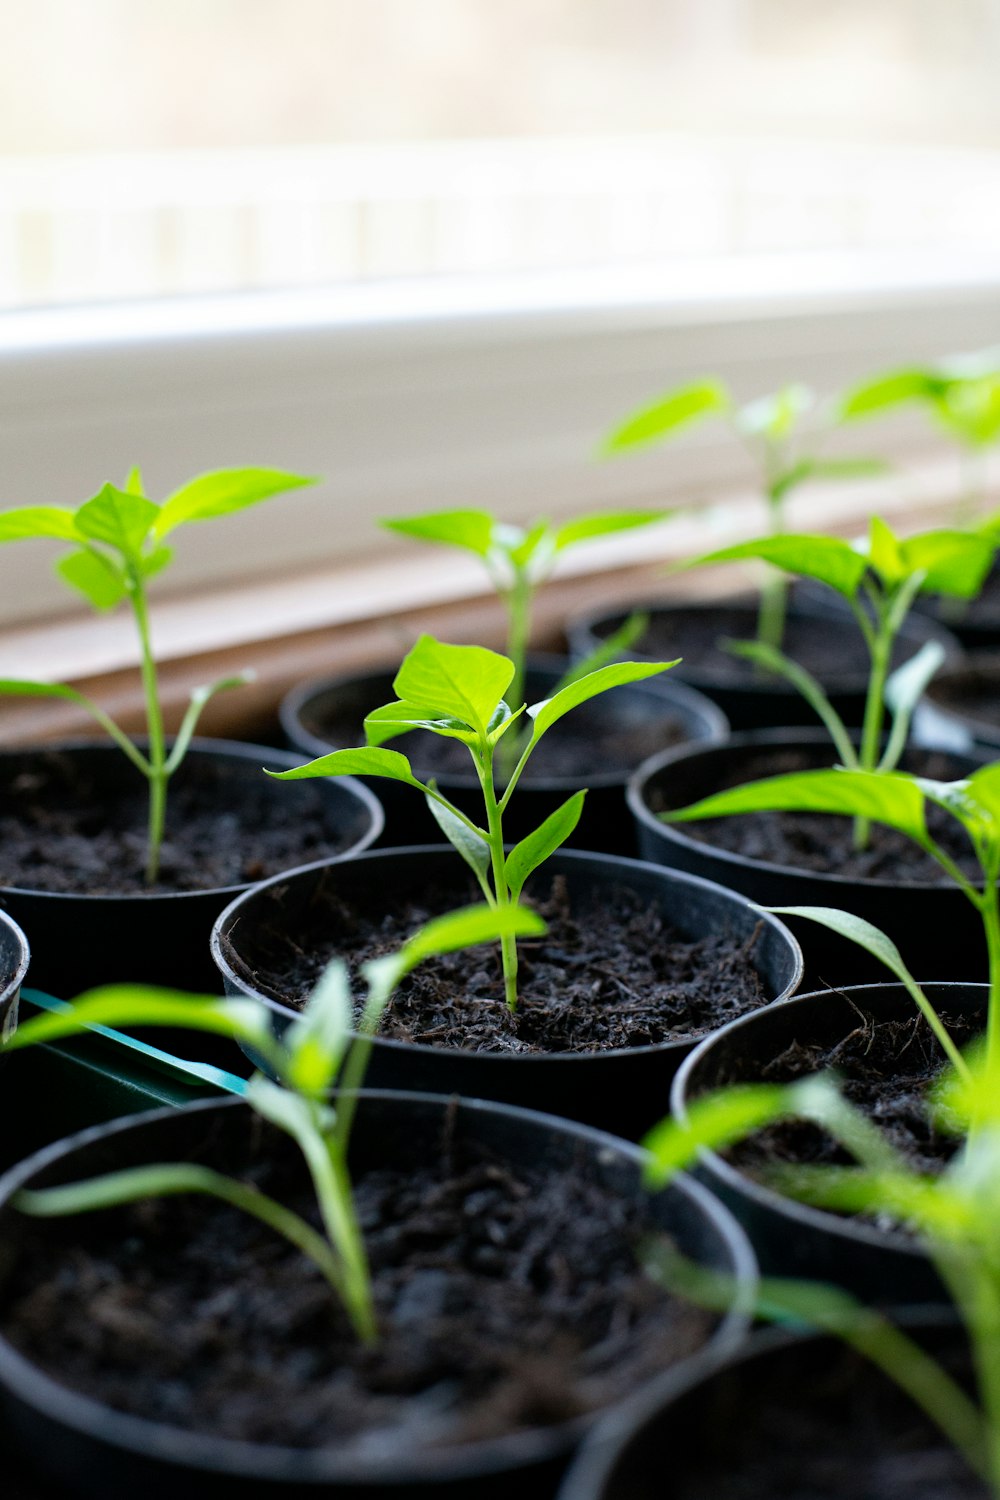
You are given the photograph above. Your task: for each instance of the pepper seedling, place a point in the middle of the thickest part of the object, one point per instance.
(954, 1213)
(458, 692)
(786, 452)
(518, 560)
(118, 542)
(316, 1052)
(879, 579)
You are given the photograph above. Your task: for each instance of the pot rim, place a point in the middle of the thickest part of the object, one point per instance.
(635, 797)
(619, 862)
(768, 1198)
(272, 1462)
(240, 750)
(21, 961)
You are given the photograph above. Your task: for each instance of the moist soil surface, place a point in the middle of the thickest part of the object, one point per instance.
(610, 973)
(63, 830)
(818, 841)
(507, 1298)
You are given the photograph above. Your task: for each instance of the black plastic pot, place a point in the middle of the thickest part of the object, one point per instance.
(961, 706)
(936, 928)
(624, 1091)
(318, 716)
(105, 1452)
(791, 1239)
(81, 939)
(14, 958)
(748, 700)
(727, 1415)
(974, 623)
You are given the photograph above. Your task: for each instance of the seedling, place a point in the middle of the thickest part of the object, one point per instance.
(879, 579)
(518, 560)
(955, 1214)
(458, 692)
(118, 541)
(786, 452)
(317, 1051)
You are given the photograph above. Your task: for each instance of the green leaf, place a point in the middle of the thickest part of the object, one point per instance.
(535, 849)
(155, 561)
(776, 415)
(360, 762)
(471, 844)
(971, 409)
(884, 553)
(467, 927)
(884, 797)
(461, 682)
(825, 558)
(37, 521)
(392, 719)
(713, 1122)
(317, 1040)
(221, 492)
(618, 643)
(663, 417)
(97, 577)
(469, 529)
(536, 545)
(955, 562)
(117, 518)
(604, 523)
(875, 396)
(133, 482)
(118, 1005)
(546, 713)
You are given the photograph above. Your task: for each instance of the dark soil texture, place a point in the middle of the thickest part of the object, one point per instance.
(886, 1069)
(611, 972)
(830, 1430)
(823, 842)
(506, 1299)
(63, 829)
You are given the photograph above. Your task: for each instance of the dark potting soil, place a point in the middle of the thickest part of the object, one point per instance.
(830, 1429)
(506, 1299)
(61, 831)
(610, 973)
(824, 842)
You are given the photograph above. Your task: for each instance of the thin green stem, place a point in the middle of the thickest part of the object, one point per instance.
(331, 1182)
(494, 823)
(880, 642)
(157, 773)
(772, 613)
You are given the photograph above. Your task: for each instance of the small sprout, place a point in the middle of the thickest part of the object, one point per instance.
(459, 692)
(118, 541)
(317, 1051)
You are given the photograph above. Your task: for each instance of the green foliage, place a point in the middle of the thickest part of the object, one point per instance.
(318, 1050)
(458, 692)
(961, 395)
(117, 538)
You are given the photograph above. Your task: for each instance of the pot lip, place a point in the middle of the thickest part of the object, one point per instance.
(764, 1197)
(671, 697)
(619, 863)
(21, 961)
(241, 750)
(918, 628)
(756, 739)
(163, 1442)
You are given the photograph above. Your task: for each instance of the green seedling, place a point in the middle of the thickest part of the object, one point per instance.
(879, 580)
(955, 1214)
(118, 541)
(459, 692)
(317, 1051)
(783, 432)
(518, 560)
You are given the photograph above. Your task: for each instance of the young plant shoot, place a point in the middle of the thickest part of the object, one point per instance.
(118, 541)
(955, 1214)
(518, 560)
(459, 692)
(783, 432)
(879, 579)
(317, 1051)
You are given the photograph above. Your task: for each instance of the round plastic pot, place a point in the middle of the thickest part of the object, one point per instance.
(625, 1090)
(715, 1418)
(960, 709)
(79, 940)
(686, 716)
(79, 1440)
(976, 623)
(937, 930)
(14, 958)
(749, 703)
(792, 1239)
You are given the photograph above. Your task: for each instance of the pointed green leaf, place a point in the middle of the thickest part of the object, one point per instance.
(317, 1040)
(955, 562)
(856, 930)
(714, 1122)
(618, 643)
(665, 416)
(361, 762)
(885, 554)
(535, 546)
(221, 492)
(392, 719)
(96, 576)
(470, 843)
(825, 558)
(887, 391)
(618, 673)
(605, 523)
(469, 529)
(118, 519)
(468, 926)
(155, 561)
(118, 1005)
(884, 797)
(37, 521)
(775, 416)
(133, 483)
(461, 682)
(535, 849)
